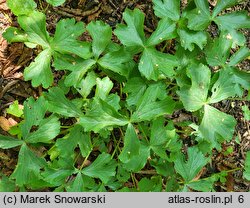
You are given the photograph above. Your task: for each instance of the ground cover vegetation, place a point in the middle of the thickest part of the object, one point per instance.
(107, 123)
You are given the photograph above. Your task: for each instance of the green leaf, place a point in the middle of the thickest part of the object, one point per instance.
(189, 38)
(221, 5)
(199, 18)
(204, 185)
(234, 20)
(160, 139)
(103, 167)
(48, 129)
(86, 85)
(216, 125)
(158, 136)
(237, 37)
(65, 39)
(14, 109)
(194, 97)
(131, 34)
(82, 184)
(58, 103)
(34, 112)
(28, 167)
(56, 176)
(39, 72)
(21, 7)
(103, 87)
(78, 67)
(76, 138)
(131, 145)
(6, 185)
(7, 142)
(153, 63)
(240, 55)
(76, 76)
(241, 77)
(147, 185)
(117, 61)
(164, 31)
(13, 34)
(34, 24)
(100, 116)
(218, 51)
(224, 87)
(167, 8)
(138, 162)
(190, 168)
(101, 34)
(136, 87)
(56, 2)
(246, 112)
(246, 173)
(149, 108)
(77, 185)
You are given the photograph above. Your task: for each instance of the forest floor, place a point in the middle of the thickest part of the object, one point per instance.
(15, 57)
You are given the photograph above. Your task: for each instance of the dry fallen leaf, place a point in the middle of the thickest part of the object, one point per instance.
(6, 124)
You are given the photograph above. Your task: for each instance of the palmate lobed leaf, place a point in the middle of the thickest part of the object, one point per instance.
(34, 25)
(101, 34)
(82, 183)
(21, 7)
(100, 116)
(154, 63)
(190, 168)
(48, 129)
(216, 126)
(153, 104)
(194, 97)
(131, 145)
(135, 87)
(133, 33)
(34, 112)
(165, 30)
(76, 138)
(103, 167)
(224, 87)
(167, 8)
(39, 71)
(217, 51)
(154, 184)
(7, 142)
(13, 34)
(58, 103)
(65, 39)
(189, 39)
(137, 162)
(85, 86)
(199, 18)
(119, 61)
(234, 20)
(28, 167)
(35, 33)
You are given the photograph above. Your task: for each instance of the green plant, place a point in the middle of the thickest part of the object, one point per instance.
(124, 95)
